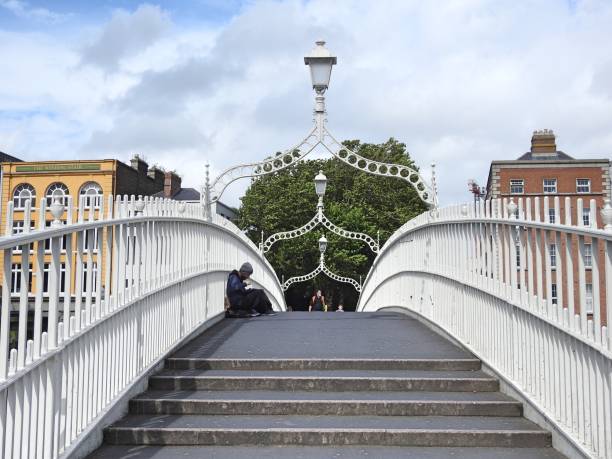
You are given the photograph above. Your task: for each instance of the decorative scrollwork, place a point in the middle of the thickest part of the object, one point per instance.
(320, 135)
(349, 234)
(338, 278)
(321, 269)
(267, 166)
(425, 192)
(319, 219)
(304, 278)
(267, 245)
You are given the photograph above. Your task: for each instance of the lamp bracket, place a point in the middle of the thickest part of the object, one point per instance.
(319, 219)
(320, 135)
(322, 268)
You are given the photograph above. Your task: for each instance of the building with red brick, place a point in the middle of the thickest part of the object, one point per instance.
(545, 171)
(551, 186)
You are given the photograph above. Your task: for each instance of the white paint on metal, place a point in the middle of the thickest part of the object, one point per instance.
(562, 363)
(145, 277)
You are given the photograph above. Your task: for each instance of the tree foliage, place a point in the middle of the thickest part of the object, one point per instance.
(354, 200)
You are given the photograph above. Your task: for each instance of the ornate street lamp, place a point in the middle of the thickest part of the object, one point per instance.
(320, 62)
(320, 184)
(320, 187)
(319, 219)
(322, 244)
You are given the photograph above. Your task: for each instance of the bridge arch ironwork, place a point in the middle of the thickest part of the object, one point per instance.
(320, 135)
(321, 268)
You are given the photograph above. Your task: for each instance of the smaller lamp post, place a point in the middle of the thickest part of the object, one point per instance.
(322, 245)
(320, 187)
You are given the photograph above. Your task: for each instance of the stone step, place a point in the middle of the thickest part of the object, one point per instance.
(185, 363)
(434, 431)
(326, 403)
(313, 452)
(332, 380)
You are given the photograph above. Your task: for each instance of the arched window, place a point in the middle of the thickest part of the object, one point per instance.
(91, 195)
(57, 191)
(22, 193)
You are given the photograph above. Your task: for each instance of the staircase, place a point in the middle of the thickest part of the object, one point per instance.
(324, 385)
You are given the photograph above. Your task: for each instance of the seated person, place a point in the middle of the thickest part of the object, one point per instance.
(246, 302)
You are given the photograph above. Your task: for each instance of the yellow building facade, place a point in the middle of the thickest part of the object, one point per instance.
(81, 186)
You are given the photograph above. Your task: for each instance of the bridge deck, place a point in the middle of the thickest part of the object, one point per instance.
(336, 379)
(303, 335)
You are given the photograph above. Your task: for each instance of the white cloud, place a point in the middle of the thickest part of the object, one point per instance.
(23, 10)
(125, 35)
(461, 82)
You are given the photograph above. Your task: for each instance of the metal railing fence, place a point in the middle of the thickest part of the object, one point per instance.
(111, 290)
(532, 298)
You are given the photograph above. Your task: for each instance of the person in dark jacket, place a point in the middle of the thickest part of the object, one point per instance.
(246, 302)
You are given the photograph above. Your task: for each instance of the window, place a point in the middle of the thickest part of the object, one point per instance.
(18, 227)
(22, 194)
(47, 270)
(94, 280)
(588, 295)
(586, 216)
(16, 278)
(92, 233)
(518, 256)
(583, 185)
(553, 291)
(48, 240)
(552, 215)
(57, 191)
(91, 195)
(552, 250)
(588, 256)
(517, 186)
(550, 186)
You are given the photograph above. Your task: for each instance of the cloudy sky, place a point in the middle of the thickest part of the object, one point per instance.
(461, 82)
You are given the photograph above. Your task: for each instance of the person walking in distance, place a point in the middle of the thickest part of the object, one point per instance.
(317, 302)
(245, 301)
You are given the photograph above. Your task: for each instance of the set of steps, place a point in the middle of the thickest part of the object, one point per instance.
(447, 405)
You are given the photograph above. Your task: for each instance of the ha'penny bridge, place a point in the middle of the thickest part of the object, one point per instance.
(457, 348)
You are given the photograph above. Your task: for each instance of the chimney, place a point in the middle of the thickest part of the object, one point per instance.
(543, 143)
(172, 184)
(157, 175)
(139, 164)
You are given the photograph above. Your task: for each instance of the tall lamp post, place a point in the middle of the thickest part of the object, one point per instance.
(320, 62)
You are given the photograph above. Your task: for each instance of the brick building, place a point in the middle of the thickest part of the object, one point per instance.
(550, 179)
(545, 171)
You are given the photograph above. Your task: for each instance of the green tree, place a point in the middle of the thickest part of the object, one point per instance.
(354, 200)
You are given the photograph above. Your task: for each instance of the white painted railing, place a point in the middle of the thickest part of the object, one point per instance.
(109, 295)
(487, 279)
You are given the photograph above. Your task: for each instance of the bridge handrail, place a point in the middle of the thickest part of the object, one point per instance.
(121, 287)
(485, 275)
